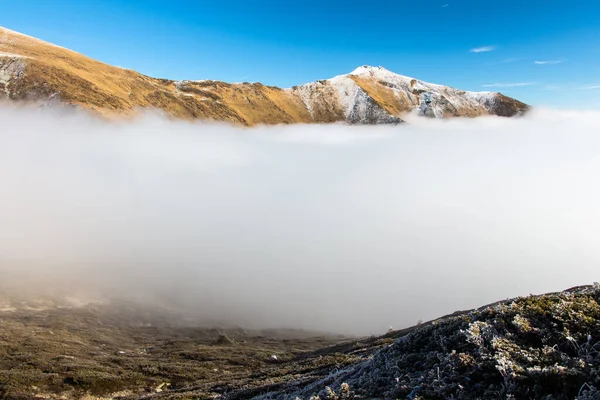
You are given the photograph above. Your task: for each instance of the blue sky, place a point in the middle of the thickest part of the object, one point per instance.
(285, 43)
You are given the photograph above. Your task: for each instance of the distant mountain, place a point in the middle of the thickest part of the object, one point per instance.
(37, 71)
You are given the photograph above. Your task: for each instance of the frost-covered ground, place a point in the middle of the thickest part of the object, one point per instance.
(537, 347)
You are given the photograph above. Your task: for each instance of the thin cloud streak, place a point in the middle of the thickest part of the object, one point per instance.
(483, 49)
(549, 62)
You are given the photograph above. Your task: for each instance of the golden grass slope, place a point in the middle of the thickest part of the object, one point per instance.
(34, 70)
(50, 70)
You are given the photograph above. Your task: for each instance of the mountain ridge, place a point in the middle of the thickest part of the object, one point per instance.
(32, 70)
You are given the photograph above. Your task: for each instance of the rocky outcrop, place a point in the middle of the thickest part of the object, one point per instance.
(536, 347)
(12, 70)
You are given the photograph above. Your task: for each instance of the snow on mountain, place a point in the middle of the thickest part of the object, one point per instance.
(376, 95)
(34, 70)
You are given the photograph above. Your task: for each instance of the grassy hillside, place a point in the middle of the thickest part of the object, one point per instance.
(78, 80)
(34, 70)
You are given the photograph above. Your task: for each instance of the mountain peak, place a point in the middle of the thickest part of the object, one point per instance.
(379, 73)
(368, 69)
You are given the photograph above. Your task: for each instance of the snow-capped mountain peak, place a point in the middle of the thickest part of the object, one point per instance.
(376, 95)
(376, 72)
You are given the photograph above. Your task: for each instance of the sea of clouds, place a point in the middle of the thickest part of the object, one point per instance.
(333, 227)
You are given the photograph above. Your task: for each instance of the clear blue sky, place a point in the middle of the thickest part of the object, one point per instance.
(289, 42)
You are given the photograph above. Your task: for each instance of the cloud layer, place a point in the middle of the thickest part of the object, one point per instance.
(340, 228)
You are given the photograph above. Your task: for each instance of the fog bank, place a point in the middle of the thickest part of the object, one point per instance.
(341, 228)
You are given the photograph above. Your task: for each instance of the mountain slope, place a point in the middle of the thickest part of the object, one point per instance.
(535, 347)
(83, 347)
(34, 70)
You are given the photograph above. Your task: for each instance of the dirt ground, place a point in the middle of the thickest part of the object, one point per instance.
(545, 346)
(50, 349)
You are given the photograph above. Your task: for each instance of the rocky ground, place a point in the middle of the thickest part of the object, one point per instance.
(537, 347)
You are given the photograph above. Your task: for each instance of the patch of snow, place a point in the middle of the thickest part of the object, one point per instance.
(405, 82)
(384, 75)
(12, 55)
(178, 86)
(348, 92)
(306, 93)
(197, 81)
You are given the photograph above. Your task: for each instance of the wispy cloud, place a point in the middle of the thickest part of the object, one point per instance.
(445, 5)
(549, 62)
(483, 49)
(593, 87)
(513, 84)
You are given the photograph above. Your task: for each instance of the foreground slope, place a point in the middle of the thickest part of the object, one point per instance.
(57, 347)
(34, 70)
(533, 347)
(536, 347)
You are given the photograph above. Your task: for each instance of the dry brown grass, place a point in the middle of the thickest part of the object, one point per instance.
(252, 103)
(49, 349)
(110, 91)
(48, 71)
(385, 97)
